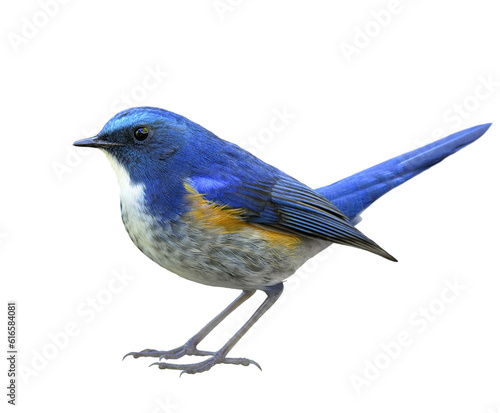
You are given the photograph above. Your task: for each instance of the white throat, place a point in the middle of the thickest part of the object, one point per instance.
(131, 195)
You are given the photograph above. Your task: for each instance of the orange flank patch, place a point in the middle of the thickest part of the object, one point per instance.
(226, 220)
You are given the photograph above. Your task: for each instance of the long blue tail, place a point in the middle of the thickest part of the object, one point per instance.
(354, 194)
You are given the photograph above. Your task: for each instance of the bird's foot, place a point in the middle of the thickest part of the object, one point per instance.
(188, 349)
(205, 365)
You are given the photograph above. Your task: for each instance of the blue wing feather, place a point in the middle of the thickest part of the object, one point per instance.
(277, 201)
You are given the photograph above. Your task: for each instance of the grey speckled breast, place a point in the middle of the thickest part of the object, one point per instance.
(240, 260)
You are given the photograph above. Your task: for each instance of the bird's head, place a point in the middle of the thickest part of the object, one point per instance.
(144, 141)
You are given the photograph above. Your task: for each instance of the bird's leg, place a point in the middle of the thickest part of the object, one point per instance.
(273, 293)
(190, 347)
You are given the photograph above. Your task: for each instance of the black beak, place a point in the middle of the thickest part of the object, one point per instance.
(96, 142)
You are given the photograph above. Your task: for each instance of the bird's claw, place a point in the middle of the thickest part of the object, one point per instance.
(186, 350)
(144, 353)
(205, 365)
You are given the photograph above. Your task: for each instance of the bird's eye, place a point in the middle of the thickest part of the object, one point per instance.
(141, 133)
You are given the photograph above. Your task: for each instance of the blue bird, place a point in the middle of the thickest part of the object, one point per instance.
(213, 213)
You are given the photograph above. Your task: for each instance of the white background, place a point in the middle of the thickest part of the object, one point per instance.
(415, 77)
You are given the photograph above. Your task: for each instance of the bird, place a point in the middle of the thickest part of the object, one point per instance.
(213, 213)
